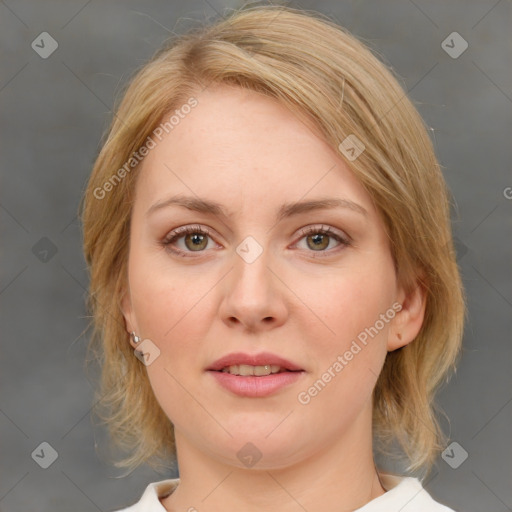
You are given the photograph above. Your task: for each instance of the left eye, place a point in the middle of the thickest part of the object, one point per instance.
(318, 239)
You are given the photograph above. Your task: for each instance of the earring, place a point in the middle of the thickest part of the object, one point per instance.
(136, 339)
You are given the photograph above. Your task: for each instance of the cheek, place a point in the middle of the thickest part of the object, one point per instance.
(349, 303)
(165, 299)
(348, 357)
(173, 310)
(168, 308)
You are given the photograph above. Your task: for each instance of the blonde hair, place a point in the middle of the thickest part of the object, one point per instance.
(325, 75)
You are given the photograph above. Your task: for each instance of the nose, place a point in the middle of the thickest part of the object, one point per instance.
(254, 296)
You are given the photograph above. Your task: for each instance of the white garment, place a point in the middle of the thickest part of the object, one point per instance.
(404, 494)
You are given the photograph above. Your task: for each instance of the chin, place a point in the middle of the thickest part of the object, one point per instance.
(260, 448)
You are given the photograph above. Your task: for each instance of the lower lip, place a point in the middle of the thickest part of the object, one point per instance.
(256, 386)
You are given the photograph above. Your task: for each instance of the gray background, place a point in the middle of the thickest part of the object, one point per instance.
(53, 114)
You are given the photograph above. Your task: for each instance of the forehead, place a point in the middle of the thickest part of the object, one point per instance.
(239, 144)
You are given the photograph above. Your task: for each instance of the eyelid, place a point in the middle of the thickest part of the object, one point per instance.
(184, 230)
(329, 230)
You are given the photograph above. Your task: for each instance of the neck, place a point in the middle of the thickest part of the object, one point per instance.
(339, 478)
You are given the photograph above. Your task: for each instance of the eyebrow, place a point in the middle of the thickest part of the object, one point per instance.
(286, 210)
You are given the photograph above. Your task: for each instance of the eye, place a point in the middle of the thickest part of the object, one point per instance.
(195, 239)
(318, 239)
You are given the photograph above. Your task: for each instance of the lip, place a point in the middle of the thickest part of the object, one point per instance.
(253, 386)
(254, 360)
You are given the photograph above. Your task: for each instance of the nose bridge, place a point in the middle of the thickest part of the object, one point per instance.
(252, 297)
(251, 274)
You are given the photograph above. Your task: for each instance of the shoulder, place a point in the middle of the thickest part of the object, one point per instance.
(404, 494)
(150, 499)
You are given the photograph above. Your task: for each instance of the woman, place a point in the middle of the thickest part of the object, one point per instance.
(273, 279)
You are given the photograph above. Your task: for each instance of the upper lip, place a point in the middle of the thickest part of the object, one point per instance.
(264, 358)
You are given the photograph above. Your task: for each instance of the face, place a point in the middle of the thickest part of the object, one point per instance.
(285, 267)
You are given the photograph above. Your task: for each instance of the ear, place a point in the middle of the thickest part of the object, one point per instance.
(127, 310)
(408, 321)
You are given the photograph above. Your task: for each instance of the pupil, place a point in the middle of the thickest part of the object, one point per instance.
(197, 239)
(319, 240)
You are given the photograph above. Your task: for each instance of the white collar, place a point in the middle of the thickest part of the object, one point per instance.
(404, 494)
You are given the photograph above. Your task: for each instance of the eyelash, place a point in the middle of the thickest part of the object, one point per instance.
(312, 230)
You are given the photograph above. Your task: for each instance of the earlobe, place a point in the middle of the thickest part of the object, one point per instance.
(408, 321)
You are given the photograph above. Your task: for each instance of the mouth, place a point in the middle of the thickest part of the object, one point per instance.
(258, 375)
(247, 370)
(253, 364)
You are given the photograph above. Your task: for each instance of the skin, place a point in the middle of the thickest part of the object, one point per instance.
(249, 153)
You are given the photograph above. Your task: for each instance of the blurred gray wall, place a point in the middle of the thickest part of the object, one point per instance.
(53, 112)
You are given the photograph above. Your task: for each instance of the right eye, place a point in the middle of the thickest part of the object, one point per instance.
(195, 239)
